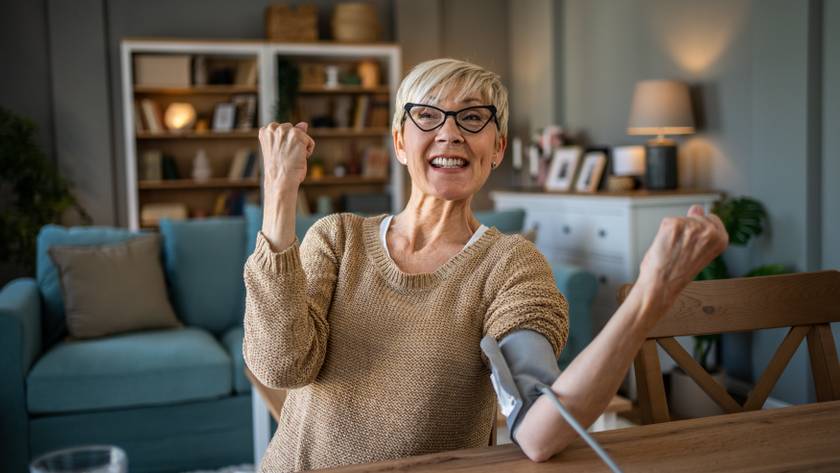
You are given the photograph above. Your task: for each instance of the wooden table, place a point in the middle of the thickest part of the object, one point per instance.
(799, 438)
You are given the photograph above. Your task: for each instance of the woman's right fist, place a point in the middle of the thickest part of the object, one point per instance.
(285, 149)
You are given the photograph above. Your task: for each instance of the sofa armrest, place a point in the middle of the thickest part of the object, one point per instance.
(579, 286)
(20, 317)
(20, 346)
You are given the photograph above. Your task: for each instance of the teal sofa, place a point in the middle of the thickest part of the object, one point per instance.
(175, 400)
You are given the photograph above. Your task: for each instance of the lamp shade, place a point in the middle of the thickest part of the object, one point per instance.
(660, 107)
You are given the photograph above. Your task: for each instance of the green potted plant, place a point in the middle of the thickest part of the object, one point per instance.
(32, 192)
(744, 219)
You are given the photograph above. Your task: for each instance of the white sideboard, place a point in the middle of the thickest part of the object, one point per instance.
(605, 233)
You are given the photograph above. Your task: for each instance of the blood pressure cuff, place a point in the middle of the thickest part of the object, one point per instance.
(521, 362)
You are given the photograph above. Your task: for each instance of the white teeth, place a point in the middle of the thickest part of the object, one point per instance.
(449, 162)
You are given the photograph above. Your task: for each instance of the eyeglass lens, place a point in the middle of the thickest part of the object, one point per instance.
(471, 119)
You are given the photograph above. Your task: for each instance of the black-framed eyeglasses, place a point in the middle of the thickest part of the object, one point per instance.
(471, 119)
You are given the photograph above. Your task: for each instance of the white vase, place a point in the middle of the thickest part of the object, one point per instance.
(687, 398)
(201, 166)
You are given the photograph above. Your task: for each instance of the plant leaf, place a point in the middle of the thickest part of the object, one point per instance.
(743, 217)
(768, 270)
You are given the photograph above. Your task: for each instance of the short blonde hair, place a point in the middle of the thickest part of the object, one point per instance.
(433, 80)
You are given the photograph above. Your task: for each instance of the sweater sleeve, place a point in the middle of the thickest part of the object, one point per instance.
(287, 297)
(525, 296)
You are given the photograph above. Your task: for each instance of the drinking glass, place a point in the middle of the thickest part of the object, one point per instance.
(85, 459)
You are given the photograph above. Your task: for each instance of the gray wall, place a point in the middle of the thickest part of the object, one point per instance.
(758, 70)
(830, 135)
(25, 81)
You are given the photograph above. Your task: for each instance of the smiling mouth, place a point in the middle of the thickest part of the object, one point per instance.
(442, 162)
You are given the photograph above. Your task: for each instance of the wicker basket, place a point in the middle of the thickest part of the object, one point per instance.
(355, 23)
(287, 24)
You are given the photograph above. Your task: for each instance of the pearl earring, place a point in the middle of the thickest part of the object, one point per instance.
(493, 165)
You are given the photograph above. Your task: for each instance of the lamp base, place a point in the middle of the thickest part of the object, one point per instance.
(661, 166)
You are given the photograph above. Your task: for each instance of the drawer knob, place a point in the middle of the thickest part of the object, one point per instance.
(602, 233)
(567, 229)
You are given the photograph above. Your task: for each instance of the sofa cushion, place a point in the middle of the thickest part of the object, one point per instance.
(253, 224)
(204, 261)
(49, 284)
(114, 288)
(506, 221)
(232, 341)
(136, 369)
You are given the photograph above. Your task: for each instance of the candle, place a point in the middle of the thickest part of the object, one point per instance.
(534, 160)
(517, 154)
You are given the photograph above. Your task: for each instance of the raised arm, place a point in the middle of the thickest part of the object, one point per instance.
(288, 287)
(681, 248)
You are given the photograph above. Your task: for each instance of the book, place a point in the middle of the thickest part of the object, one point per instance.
(152, 115)
(152, 161)
(138, 119)
(361, 112)
(169, 168)
(220, 206)
(375, 162)
(246, 110)
(343, 108)
(151, 214)
(250, 167)
(246, 72)
(237, 165)
(379, 112)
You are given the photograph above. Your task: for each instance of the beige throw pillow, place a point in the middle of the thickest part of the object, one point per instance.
(113, 288)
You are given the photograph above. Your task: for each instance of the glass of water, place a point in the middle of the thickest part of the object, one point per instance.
(86, 459)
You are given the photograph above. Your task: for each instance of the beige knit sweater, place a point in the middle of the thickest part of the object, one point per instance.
(386, 364)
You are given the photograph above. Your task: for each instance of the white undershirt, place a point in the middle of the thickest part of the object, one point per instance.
(386, 222)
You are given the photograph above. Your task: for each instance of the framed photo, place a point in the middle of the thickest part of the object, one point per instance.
(224, 115)
(561, 172)
(591, 171)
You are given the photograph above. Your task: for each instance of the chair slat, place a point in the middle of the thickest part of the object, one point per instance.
(700, 376)
(650, 387)
(746, 304)
(775, 368)
(824, 364)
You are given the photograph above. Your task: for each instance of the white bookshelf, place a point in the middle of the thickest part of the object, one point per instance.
(266, 55)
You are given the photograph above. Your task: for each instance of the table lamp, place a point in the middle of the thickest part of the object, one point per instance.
(661, 107)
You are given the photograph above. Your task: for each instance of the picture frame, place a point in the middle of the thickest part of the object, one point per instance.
(591, 171)
(563, 168)
(224, 115)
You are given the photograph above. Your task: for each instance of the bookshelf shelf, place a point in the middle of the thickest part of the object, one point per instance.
(186, 184)
(344, 89)
(346, 180)
(197, 90)
(347, 132)
(210, 135)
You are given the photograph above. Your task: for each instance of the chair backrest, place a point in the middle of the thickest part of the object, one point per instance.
(805, 302)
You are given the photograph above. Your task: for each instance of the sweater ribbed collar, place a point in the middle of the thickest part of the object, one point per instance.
(419, 281)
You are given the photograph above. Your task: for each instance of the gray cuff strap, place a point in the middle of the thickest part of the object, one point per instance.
(532, 363)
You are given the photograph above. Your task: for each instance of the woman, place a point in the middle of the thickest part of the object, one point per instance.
(376, 322)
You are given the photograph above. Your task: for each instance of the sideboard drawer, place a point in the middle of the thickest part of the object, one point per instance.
(582, 233)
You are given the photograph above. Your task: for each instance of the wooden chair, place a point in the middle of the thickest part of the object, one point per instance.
(805, 302)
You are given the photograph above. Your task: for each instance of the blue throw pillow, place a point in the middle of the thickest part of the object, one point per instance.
(49, 283)
(204, 260)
